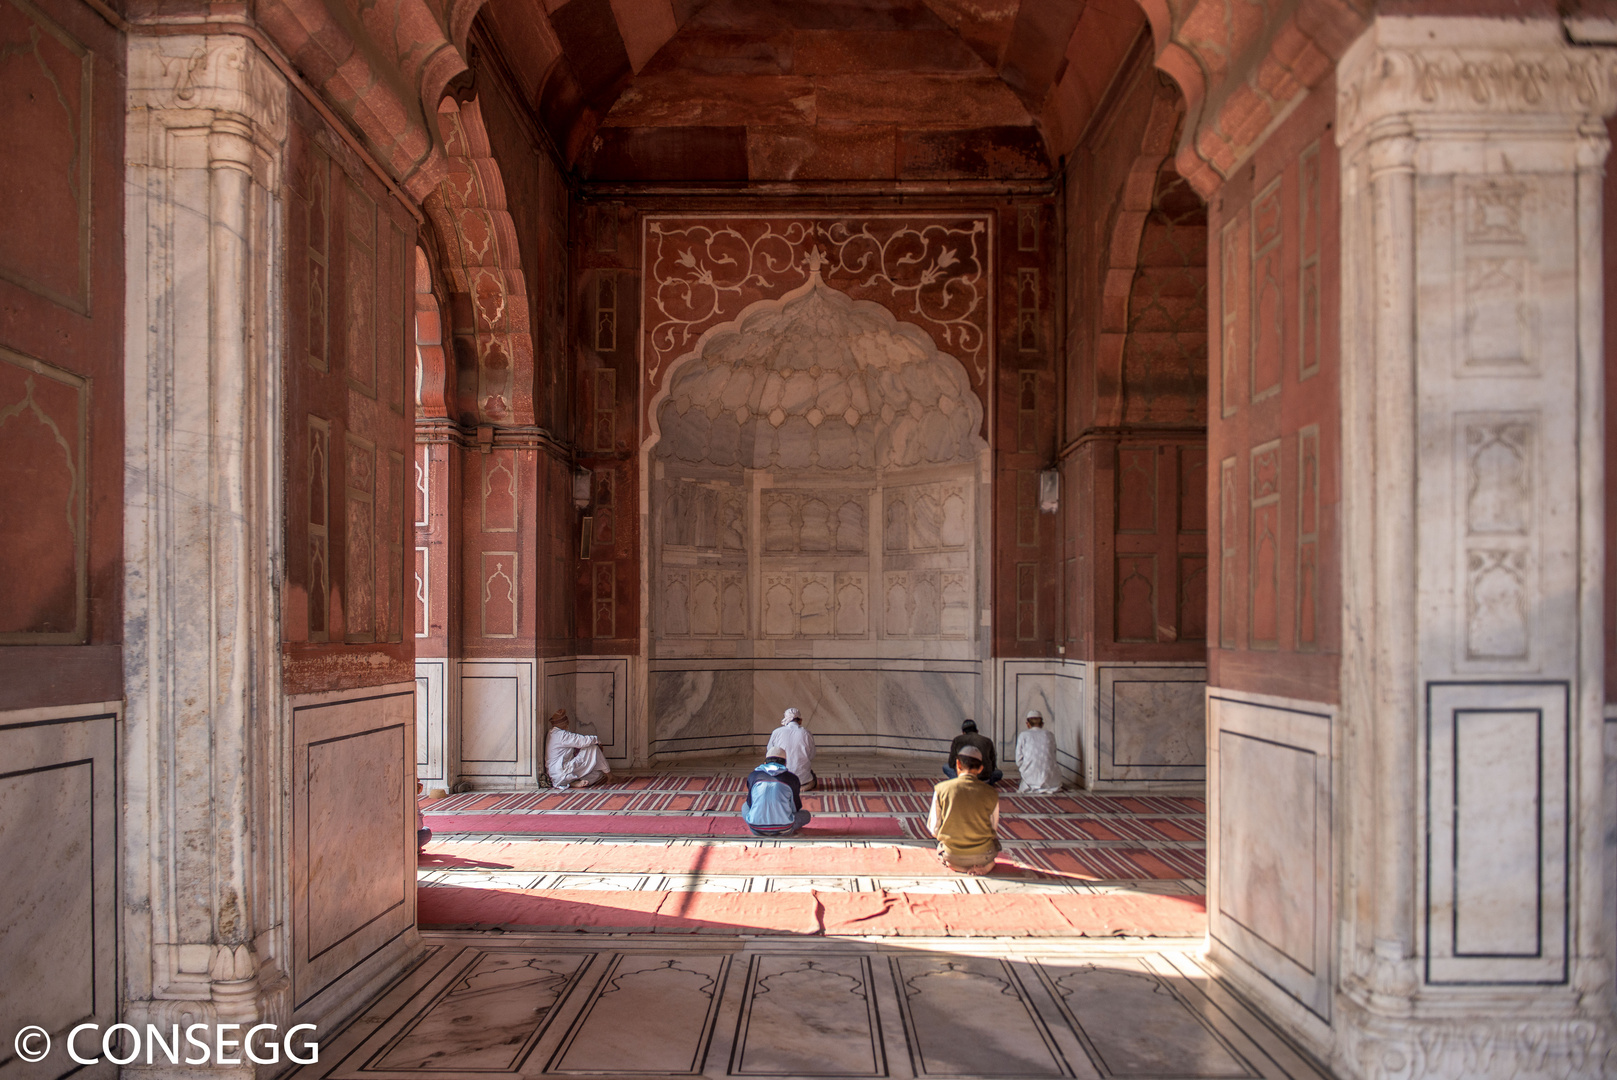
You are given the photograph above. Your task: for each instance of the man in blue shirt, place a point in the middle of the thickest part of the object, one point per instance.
(774, 803)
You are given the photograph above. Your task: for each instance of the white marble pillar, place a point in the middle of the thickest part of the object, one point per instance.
(204, 887)
(1471, 934)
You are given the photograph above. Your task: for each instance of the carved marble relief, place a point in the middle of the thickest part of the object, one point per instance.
(423, 593)
(1496, 274)
(817, 481)
(811, 522)
(604, 600)
(1499, 583)
(359, 310)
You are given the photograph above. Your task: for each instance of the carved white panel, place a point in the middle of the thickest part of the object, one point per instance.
(497, 720)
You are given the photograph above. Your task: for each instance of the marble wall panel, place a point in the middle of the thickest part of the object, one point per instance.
(809, 1016)
(700, 710)
(923, 709)
(838, 704)
(497, 721)
(1269, 876)
(595, 693)
(1056, 690)
(431, 721)
(59, 823)
(649, 1013)
(1498, 877)
(353, 832)
(1150, 723)
(971, 1016)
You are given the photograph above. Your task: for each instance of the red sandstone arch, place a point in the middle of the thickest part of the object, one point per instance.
(1123, 252)
(434, 385)
(477, 243)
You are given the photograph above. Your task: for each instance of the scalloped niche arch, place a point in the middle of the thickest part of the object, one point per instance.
(815, 468)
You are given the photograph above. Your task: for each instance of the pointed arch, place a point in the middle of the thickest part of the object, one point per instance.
(477, 243)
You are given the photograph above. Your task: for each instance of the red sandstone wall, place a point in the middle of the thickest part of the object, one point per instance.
(349, 403)
(61, 356)
(604, 334)
(1134, 543)
(1273, 437)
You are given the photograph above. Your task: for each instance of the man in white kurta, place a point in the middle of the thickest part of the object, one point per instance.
(1036, 758)
(795, 739)
(573, 760)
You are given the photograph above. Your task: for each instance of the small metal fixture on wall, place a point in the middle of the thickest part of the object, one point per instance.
(1049, 490)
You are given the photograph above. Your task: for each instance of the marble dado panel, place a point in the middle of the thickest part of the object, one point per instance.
(432, 682)
(353, 840)
(1056, 690)
(595, 692)
(1498, 878)
(1150, 724)
(846, 703)
(59, 833)
(498, 744)
(1269, 862)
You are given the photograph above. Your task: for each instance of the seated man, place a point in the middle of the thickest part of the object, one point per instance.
(1036, 758)
(573, 760)
(985, 750)
(774, 803)
(795, 739)
(965, 817)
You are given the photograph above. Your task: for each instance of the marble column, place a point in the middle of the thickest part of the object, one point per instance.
(1471, 930)
(204, 882)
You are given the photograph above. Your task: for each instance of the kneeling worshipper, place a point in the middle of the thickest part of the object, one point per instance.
(1036, 758)
(573, 760)
(965, 817)
(969, 736)
(774, 803)
(795, 739)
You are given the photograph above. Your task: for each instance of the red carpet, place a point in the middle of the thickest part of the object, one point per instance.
(688, 825)
(749, 860)
(878, 913)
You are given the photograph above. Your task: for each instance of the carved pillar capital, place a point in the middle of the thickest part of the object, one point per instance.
(1506, 74)
(207, 78)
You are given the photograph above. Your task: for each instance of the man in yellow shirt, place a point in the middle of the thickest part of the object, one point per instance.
(965, 817)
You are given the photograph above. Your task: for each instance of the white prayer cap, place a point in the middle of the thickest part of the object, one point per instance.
(774, 751)
(792, 714)
(1031, 713)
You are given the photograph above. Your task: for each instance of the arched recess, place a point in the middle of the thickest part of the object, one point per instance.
(1123, 249)
(478, 249)
(815, 468)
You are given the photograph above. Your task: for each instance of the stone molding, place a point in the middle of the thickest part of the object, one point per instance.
(223, 74)
(1522, 1049)
(1496, 69)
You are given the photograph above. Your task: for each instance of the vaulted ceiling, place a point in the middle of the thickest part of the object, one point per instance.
(795, 90)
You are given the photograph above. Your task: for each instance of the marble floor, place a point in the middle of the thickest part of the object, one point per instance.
(640, 1006)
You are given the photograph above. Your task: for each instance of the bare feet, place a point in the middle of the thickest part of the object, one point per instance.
(580, 784)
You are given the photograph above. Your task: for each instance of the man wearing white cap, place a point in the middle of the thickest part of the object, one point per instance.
(795, 740)
(1036, 758)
